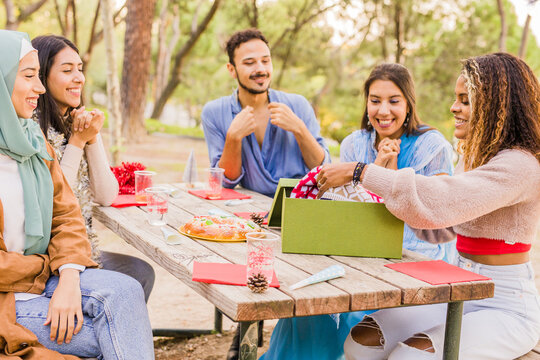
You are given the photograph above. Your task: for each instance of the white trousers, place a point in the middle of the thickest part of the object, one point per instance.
(503, 327)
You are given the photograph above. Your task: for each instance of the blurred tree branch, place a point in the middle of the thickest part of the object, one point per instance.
(302, 18)
(251, 12)
(166, 20)
(181, 54)
(525, 33)
(504, 28)
(13, 21)
(96, 37)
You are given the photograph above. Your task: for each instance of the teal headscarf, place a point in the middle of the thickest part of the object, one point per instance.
(23, 141)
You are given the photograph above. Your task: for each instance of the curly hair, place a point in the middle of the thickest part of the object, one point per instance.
(505, 102)
(401, 77)
(240, 37)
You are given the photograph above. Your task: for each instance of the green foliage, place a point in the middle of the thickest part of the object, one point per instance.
(153, 125)
(334, 150)
(327, 59)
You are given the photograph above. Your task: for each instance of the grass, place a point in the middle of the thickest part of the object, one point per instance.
(334, 150)
(156, 126)
(153, 125)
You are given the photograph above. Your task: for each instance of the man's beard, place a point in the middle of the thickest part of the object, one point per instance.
(251, 90)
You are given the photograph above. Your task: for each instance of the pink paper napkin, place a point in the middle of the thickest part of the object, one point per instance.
(436, 272)
(126, 200)
(226, 194)
(223, 273)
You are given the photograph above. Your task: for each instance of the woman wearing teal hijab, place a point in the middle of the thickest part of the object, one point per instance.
(72, 311)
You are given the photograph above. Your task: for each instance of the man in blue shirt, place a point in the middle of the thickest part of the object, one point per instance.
(259, 135)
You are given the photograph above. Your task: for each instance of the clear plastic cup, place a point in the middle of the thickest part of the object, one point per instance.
(260, 254)
(143, 180)
(214, 183)
(157, 205)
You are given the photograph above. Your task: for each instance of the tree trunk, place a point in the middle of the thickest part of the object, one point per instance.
(97, 36)
(504, 30)
(174, 79)
(74, 21)
(136, 67)
(165, 48)
(113, 87)
(398, 23)
(524, 38)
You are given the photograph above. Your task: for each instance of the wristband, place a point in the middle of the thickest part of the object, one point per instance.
(357, 172)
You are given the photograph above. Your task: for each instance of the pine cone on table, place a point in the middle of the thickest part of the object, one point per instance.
(257, 283)
(256, 218)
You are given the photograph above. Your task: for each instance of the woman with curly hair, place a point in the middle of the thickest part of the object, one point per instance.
(492, 204)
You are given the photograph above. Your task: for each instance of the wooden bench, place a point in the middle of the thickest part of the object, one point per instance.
(534, 354)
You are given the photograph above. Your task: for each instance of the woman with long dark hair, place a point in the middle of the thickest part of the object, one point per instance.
(74, 134)
(390, 123)
(51, 300)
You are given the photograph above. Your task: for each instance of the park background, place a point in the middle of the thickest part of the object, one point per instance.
(151, 65)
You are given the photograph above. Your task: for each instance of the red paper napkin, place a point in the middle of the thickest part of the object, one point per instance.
(223, 273)
(226, 194)
(436, 272)
(126, 200)
(247, 215)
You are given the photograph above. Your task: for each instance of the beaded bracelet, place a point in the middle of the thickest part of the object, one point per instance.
(357, 172)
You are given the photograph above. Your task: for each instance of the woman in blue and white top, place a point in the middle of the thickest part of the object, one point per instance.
(389, 123)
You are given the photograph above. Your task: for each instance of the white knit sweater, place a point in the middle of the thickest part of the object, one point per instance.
(499, 200)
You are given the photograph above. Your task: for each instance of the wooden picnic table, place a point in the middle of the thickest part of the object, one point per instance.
(367, 284)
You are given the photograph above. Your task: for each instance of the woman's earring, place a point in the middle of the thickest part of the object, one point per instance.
(406, 122)
(368, 122)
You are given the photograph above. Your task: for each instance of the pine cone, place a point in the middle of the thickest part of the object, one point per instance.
(256, 218)
(257, 283)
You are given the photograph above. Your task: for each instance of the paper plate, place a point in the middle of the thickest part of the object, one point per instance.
(181, 231)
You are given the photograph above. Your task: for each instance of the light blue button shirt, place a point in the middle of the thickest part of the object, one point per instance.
(428, 154)
(279, 156)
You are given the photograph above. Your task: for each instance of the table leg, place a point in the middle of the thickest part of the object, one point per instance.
(218, 320)
(452, 332)
(249, 339)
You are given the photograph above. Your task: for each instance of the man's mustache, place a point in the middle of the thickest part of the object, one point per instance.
(259, 75)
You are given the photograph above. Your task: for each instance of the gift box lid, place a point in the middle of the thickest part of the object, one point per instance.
(285, 186)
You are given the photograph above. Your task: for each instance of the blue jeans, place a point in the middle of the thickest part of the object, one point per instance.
(116, 324)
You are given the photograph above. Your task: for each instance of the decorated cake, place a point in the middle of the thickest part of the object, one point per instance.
(226, 228)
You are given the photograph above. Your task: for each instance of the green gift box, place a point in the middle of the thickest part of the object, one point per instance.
(326, 227)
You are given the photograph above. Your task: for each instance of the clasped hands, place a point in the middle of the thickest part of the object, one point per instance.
(86, 125)
(333, 175)
(280, 115)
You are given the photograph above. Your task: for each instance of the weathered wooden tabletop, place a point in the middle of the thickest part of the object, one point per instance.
(367, 283)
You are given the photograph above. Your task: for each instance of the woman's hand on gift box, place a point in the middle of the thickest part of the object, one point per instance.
(332, 175)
